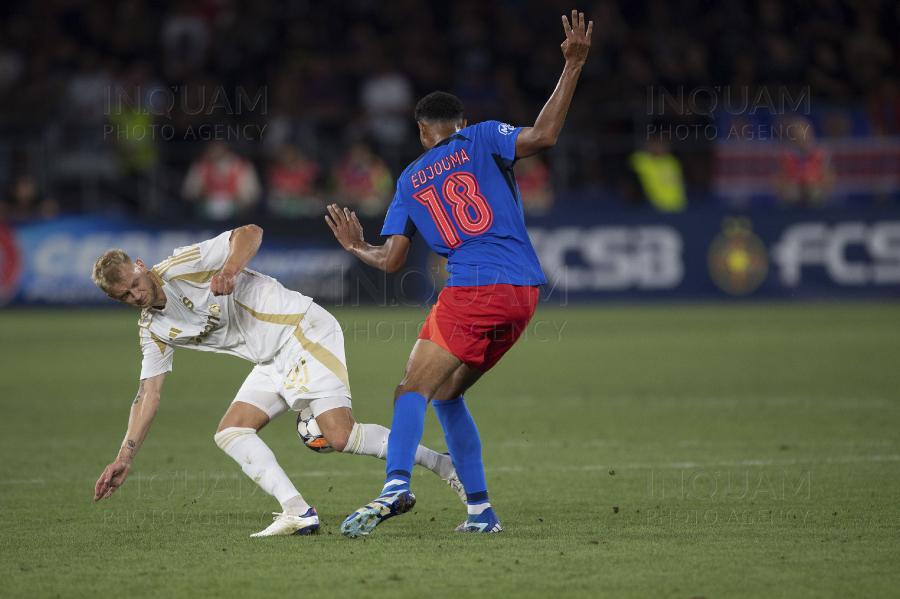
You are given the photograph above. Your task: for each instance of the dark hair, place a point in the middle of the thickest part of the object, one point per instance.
(439, 107)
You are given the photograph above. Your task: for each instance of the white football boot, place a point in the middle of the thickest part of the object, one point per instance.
(452, 479)
(286, 524)
(456, 485)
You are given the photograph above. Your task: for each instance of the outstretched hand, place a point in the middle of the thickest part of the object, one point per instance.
(112, 478)
(345, 226)
(578, 41)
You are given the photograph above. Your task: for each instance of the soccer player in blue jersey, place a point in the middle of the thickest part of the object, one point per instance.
(461, 195)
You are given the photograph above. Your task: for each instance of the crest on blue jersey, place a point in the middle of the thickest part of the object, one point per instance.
(505, 129)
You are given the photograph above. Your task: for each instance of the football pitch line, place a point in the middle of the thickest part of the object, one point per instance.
(514, 469)
(733, 463)
(713, 402)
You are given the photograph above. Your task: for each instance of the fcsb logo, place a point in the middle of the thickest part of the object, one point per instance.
(611, 258)
(738, 261)
(852, 253)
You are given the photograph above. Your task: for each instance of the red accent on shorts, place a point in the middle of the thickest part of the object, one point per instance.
(479, 324)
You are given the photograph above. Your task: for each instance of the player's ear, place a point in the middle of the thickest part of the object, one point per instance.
(465, 124)
(141, 264)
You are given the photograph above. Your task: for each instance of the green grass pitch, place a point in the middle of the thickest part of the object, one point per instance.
(686, 451)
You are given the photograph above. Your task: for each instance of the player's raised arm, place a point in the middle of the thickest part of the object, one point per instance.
(244, 244)
(143, 410)
(389, 257)
(543, 135)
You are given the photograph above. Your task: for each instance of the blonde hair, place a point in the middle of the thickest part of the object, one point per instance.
(108, 268)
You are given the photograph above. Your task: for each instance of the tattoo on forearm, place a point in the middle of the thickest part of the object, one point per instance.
(129, 446)
(139, 393)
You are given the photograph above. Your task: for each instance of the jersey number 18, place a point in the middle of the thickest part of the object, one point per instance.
(470, 210)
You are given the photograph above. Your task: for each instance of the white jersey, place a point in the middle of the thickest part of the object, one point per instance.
(252, 323)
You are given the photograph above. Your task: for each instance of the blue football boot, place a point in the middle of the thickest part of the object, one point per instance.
(486, 521)
(391, 502)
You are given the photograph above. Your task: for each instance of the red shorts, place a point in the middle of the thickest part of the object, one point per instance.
(479, 324)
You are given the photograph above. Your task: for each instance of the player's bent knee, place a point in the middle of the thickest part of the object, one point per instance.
(337, 438)
(336, 425)
(232, 435)
(338, 442)
(255, 413)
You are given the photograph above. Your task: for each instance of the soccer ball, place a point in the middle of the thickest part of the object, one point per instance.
(310, 433)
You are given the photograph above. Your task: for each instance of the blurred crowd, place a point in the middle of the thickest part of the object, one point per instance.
(223, 185)
(282, 105)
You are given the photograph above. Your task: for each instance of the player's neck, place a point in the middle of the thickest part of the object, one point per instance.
(437, 135)
(160, 302)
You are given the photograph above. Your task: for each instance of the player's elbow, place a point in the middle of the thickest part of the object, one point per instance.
(392, 265)
(545, 142)
(253, 229)
(394, 261)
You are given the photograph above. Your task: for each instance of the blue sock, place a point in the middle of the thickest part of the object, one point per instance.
(407, 428)
(465, 447)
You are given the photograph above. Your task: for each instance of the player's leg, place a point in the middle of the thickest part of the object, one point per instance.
(337, 426)
(464, 443)
(346, 435)
(322, 375)
(460, 431)
(237, 436)
(428, 368)
(242, 414)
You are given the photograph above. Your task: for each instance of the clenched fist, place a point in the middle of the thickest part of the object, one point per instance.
(222, 284)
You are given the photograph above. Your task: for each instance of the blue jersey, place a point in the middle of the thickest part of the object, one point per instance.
(462, 196)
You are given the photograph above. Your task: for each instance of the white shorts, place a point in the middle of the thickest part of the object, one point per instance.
(310, 370)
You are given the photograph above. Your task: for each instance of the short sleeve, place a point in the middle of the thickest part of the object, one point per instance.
(214, 252)
(197, 263)
(398, 220)
(157, 355)
(501, 137)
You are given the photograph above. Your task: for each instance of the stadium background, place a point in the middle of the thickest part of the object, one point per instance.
(106, 107)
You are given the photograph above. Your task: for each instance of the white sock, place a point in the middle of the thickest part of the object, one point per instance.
(295, 506)
(478, 508)
(393, 482)
(259, 463)
(372, 439)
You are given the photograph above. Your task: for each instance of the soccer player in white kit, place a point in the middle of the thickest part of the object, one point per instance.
(203, 297)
